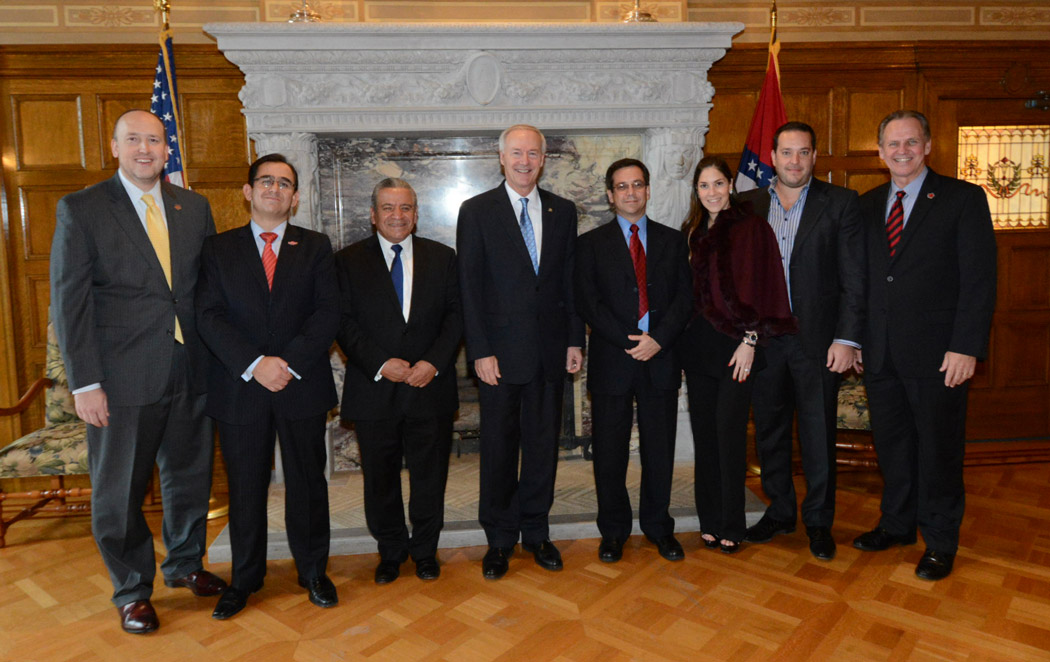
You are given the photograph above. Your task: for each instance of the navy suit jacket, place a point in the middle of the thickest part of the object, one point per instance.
(113, 311)
(373, 329)
(240, 318)
(827, 266)
(607, 298)
(526, 320)
(937, 294)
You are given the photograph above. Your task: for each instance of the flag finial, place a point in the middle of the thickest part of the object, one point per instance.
(163, 6)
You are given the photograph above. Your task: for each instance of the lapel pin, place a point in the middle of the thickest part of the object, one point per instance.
(929, 196)
(550, 210)
(293, 243)
(178, 207)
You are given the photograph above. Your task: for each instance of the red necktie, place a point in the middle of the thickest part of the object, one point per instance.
(895, 223)
(269, 258)
(638, 257)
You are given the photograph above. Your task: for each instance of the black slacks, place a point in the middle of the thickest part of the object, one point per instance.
(174, 434)
(919, 430)
(424, 444)
(612, 416)
(718, 413)
(247, 451)
(793, 382)
(525, 419)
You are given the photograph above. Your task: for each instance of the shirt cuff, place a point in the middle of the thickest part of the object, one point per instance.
(379, 374)
(247, 374)
(89, 387)
(848, 343)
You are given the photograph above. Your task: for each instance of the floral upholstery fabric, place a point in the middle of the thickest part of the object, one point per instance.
(60, 447)
(853, 405)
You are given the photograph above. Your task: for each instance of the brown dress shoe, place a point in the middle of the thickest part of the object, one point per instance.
(138, 617)
(201, 583)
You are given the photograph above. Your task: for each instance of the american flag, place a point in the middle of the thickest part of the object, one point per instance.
(164, 104)
(756, 161)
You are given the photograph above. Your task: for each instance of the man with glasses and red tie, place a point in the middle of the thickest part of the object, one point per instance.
(634, 288)
(268, 309)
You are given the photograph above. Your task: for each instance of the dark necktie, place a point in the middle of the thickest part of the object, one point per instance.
(638, 257)
(269, 258)
(895, 223)
(397, 273)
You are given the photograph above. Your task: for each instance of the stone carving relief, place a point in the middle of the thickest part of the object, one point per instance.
(671, 156)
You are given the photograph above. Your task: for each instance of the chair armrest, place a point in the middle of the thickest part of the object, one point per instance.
(27, 399)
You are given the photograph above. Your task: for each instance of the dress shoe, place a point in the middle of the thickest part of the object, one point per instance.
(138, 617)
(201, 583)
(610, 550)
(387, 571)
(428, 569)
(496, 562)
(546, 554)
(669, 547)
(935, 565)
(821, 544)
(879, 539)
(767, 528)
(322, 591)
(230, 603)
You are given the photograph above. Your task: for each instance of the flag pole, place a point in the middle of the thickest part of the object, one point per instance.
(164, 7)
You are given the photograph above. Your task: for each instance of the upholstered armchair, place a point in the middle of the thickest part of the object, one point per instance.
(56, 450)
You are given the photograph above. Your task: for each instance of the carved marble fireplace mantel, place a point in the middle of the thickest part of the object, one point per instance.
(302, 80)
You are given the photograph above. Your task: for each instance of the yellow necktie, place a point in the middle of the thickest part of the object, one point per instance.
(158, 236)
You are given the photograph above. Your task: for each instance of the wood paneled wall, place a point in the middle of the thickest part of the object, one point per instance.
(58, 105)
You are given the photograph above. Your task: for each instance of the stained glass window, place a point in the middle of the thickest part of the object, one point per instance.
(1011, 164)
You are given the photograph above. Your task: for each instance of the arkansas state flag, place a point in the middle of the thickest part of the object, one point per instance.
(756, 164)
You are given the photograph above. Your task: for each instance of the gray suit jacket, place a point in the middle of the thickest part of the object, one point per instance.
(111, 306)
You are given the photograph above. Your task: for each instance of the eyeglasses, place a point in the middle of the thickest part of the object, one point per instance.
(626, 186)
(283, 183)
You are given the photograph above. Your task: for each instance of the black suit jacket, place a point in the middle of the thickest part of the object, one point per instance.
(240, 318)
(373, 329)
(827, 266)
(607, 298)
(526, 320)
(113, 311)
(937, 294)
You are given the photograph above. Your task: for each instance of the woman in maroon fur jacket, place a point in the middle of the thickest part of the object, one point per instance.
(741, 298)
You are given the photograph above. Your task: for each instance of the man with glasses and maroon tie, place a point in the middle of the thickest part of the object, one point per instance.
(634, 288)
(268, 309)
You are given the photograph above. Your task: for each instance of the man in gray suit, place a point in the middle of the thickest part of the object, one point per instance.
(124, 265)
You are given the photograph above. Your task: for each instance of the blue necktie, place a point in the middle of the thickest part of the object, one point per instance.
(528, 234)
(397, 272)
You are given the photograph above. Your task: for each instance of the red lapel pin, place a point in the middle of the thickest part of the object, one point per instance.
(293, 243)
(929, 196)
(178, 207)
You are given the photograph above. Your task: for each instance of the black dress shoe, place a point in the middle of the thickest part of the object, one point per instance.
(201, 583)
(669, 547)
(610, 550)
(387, 571)
(138, 617)
(767, 528)
(879, 539)
(322, 591)
(821, 544)
(546, 554)
(428, 569)
(230, 603)
(496, 562)
(935, 565)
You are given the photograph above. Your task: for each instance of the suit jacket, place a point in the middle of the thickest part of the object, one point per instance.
(937, 294)
(526, 320)
(240, 318)
(607, 298)
(827, 266)
(373, 329)
(113, 311)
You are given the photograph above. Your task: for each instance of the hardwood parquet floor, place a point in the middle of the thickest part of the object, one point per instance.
(768, 602)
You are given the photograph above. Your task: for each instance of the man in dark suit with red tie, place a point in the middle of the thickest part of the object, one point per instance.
(931, 294)
(516, 246)
(268, 309)
(401, 326)
(635, 290)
